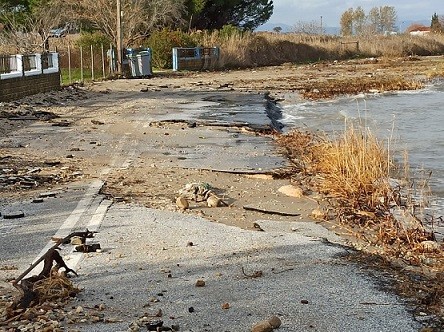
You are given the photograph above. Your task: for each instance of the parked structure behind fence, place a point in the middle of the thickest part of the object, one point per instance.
(196, 58)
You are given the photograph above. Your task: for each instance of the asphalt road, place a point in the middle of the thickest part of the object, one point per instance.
(148, 263)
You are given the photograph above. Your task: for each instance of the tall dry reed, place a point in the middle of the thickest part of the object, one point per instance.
(355, 167)
(246, 49)
(263, 49)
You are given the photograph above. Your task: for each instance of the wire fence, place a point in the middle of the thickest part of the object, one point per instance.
(80, 63)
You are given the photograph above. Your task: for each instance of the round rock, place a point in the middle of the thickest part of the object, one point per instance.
(263, 326)
(275, 322)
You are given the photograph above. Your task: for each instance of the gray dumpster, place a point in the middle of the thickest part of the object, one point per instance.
(140, 62)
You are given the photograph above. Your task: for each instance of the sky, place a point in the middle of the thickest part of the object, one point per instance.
(290, 12)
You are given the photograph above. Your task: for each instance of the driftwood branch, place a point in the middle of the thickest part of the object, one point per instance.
(26, 286)
(50, 252)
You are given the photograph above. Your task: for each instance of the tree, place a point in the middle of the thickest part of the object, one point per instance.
(245, 14)
(347, 22)
(277, 29)
(13, 10)
(374, 19)
(378, 20)
(139, 17)
(436, 25)
(359, 18)
(388, 18)
(382, 19)
(309, 28)
(27, 24)
(193, 8)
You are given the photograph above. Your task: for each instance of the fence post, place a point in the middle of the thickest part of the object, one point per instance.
(103, 62)
(92, 63)
(21, 64)
(81, 63)
(69, 64)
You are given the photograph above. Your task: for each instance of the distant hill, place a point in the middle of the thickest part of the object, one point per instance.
(270, 26)
(288, 28)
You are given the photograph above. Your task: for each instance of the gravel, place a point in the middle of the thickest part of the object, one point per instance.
(151, 260)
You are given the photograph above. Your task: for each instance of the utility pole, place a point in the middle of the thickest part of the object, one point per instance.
(322, 29)
(119, 38)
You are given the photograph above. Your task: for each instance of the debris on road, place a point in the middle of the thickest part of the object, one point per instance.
(182, 203)
(47, 288)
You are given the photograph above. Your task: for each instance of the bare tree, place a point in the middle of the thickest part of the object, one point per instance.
(139, 17)
(347, 22)
(29, 32)
(388, 18)
(378, 20)
(382, 19)
(374, 20)
(359, 18)
(309, 28)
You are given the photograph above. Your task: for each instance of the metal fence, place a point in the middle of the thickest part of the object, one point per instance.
(79, 63)
(195, 58)
(94, 62)
(8, 63)
(28, 64)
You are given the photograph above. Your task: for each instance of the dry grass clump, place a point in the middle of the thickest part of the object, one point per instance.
(56, 287)
(436, 72)
(240, 50)
(353, 173)
(355, 168)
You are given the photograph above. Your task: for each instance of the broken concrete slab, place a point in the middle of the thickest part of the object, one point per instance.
(306, 228)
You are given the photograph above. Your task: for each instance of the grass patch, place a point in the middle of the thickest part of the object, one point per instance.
(77, 76)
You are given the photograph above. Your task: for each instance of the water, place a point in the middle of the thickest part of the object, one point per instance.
(411, 121)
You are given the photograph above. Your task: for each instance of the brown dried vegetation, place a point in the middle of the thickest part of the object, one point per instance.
(353, 174)
(331, 88)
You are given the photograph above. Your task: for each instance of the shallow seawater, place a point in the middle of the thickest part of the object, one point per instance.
(409, 122)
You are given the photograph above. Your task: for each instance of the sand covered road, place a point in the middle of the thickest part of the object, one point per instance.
(146, 139)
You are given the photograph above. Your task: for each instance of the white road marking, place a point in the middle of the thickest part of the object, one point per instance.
(72, 219)
(83, 206)
(74, 257)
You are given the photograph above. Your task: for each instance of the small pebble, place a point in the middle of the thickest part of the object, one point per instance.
(225, 306)
(200, 283)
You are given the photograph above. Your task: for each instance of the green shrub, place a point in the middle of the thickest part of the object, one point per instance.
(162, 42)
(228, 31)
(96, 39)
